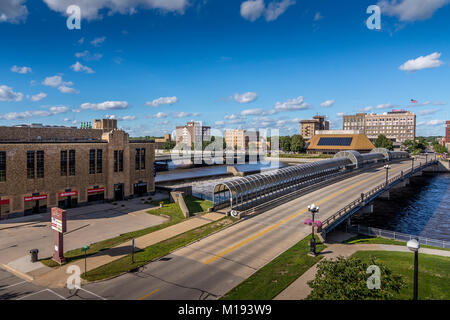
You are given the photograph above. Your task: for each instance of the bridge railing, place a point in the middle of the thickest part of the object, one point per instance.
(369, 231)
(367, 197)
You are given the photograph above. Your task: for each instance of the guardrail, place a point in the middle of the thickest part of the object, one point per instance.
(369, 231)
(365, 198)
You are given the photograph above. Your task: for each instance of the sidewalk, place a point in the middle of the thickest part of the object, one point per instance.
(58, 277)
(299, 289)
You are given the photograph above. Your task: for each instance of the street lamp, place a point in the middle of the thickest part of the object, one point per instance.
(414, 246)
(412, 164)
(312, 244)
(387, 167)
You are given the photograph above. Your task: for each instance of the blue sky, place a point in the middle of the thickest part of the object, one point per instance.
(254, 64)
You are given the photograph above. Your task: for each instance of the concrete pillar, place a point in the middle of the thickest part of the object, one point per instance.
(385, 195)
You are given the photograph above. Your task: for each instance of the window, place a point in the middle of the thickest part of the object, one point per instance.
(92, 161)
(99, 160)
(2, 166)
(40, 164)
(121, 161)
(143, 158)
(63, 163)
(30, 164)
(116, 160)
(137, 159)
(71, 162)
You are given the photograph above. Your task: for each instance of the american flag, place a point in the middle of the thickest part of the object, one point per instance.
(413, 101)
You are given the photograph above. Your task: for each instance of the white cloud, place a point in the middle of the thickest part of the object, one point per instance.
(428, 112)
(87, 56)
(292, 105)
(13, 11)
(429, 61)
(57, 82)
(162, 100)
(181, 114)
(78, 67)
(35, 113)
(107, 105)
(159, 115)
(411, 10)
(21, 70)
(327, 104)
(275, 9)
(340, 114)
(318, 16)
(98, 41)
(251, 112)
(431, 123)
(7, 94)
(253, 9)
(90, 9)
(386, 106)
(38, 97)
(245, 97)
(120, 118)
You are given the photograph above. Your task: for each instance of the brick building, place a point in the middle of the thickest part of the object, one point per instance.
(447, 132)
(242, 139)
(43, 167)
(308, 128)
(193, 132)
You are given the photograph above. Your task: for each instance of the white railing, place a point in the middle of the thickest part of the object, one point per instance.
(369, 231)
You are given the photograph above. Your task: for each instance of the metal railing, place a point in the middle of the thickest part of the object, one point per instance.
(369, 196)
(369, 231)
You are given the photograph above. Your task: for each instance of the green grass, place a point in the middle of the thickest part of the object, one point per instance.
(274, 277)
(155, 251)
(362, 239)
(434, 273)
(196, 205)
(171, 210)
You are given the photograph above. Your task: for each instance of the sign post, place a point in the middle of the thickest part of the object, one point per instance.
(59, 225)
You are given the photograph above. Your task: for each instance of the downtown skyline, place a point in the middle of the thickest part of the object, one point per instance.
(252, 64)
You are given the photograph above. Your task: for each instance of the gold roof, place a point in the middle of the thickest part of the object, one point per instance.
(358, 142)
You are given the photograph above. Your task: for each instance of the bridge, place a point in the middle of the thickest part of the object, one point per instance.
(209, 157)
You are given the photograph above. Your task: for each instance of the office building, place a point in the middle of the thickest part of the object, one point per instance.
(192, 132)
(44, 166)
(308, 128)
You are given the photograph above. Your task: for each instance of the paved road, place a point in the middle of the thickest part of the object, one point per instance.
(211, 267)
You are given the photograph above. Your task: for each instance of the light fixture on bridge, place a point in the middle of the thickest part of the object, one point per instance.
(387, 167)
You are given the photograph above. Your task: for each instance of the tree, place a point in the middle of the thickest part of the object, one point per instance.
(347, 279)
(297, 143)
(439, 148)
(383, 142)
(285, 143)
(169, 145)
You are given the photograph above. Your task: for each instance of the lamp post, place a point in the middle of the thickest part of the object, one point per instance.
(85, 249)
(426, 157)
(312, 244)
(414, 246)
(387, 167)
(412, 164)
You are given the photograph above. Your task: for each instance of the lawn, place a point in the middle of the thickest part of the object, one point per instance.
(360, 239)
(155, 251)
(434, 273)
(196, 205)
(169, 210)
(274, 277)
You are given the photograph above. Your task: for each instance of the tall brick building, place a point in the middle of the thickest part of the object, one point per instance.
(43, 167)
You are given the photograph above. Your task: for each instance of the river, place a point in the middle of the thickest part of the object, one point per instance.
(422, 208)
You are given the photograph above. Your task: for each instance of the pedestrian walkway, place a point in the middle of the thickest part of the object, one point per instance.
(58, 277)
(299, 289)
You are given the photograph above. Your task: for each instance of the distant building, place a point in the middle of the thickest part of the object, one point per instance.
(159, 142)
(397, 125)
(447, 132)
(242, 139)
(105, 124)
(333, 143)
(48, 166)
(192, 132)
(309, 127)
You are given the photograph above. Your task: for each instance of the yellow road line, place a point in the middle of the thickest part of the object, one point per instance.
(148, 295)
(263, 232)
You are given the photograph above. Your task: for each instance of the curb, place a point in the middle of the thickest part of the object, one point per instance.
(17, 273)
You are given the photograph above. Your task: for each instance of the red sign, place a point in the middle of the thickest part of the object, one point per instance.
(96, 190)
(34, 198)
(4, 202)
(67, 194)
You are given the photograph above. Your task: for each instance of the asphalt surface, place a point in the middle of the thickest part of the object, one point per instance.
(211, 267)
